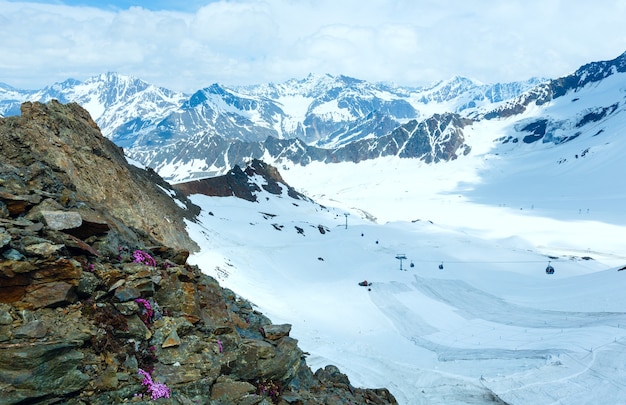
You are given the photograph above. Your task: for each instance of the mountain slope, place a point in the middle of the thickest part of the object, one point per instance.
(65, 138)
(95, 308)
(490, 326)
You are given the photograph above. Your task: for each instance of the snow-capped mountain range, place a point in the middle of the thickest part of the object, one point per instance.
(320, 118)
(317, 118)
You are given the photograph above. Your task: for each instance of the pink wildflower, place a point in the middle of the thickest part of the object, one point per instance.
(146, 305)
(157, 390)
(143, 257)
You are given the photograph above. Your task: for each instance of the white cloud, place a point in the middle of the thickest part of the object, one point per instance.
(243, 30)
(246, 41)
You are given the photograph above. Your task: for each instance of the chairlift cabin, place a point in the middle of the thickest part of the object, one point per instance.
(441, 266)
(549, 269)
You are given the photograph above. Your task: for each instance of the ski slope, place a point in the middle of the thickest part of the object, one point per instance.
(491, 325)
(490, 322)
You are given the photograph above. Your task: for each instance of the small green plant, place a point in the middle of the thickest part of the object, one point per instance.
(270, 389)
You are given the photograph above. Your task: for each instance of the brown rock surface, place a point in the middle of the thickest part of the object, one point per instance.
(67, 158)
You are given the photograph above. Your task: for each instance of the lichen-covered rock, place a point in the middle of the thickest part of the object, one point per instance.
(42, 369)
(87, 284)
(227, 391)
(61, 220)
(275, 332)
(5, 238)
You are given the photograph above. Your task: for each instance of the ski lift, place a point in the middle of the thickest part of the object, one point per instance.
(412, 264)
(441, 266)
(401, 256)
(549, 269)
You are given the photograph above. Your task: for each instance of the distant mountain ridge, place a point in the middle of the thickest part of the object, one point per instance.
(242, 183)
(319, 118)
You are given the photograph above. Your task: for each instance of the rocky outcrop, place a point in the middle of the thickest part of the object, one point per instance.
(240, 183)
(62, 154)
(94, 310)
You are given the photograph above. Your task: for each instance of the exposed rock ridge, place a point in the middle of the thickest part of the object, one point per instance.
(84, 166)
(590, 73)
(241, 183)
(437, 138)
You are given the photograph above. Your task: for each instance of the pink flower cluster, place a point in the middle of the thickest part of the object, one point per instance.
(146, 305)
(143, 257)
(157, 390)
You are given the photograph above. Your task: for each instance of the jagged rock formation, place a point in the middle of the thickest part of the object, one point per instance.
(95, 308)
(543, 93)
(438, 138)
(62, 149)
(238, 183)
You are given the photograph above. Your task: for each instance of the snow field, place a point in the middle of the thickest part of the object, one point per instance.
(489, 319)
(490, 324)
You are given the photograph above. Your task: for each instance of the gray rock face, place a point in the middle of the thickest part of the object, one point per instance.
(35, 329)
(438, 138)
(61, 220)
(30, 371)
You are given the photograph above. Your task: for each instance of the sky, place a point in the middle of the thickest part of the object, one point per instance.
(188, 45)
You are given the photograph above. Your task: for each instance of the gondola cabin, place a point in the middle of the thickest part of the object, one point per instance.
(549, 269)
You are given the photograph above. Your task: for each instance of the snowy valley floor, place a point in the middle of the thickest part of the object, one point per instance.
(490, 322)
